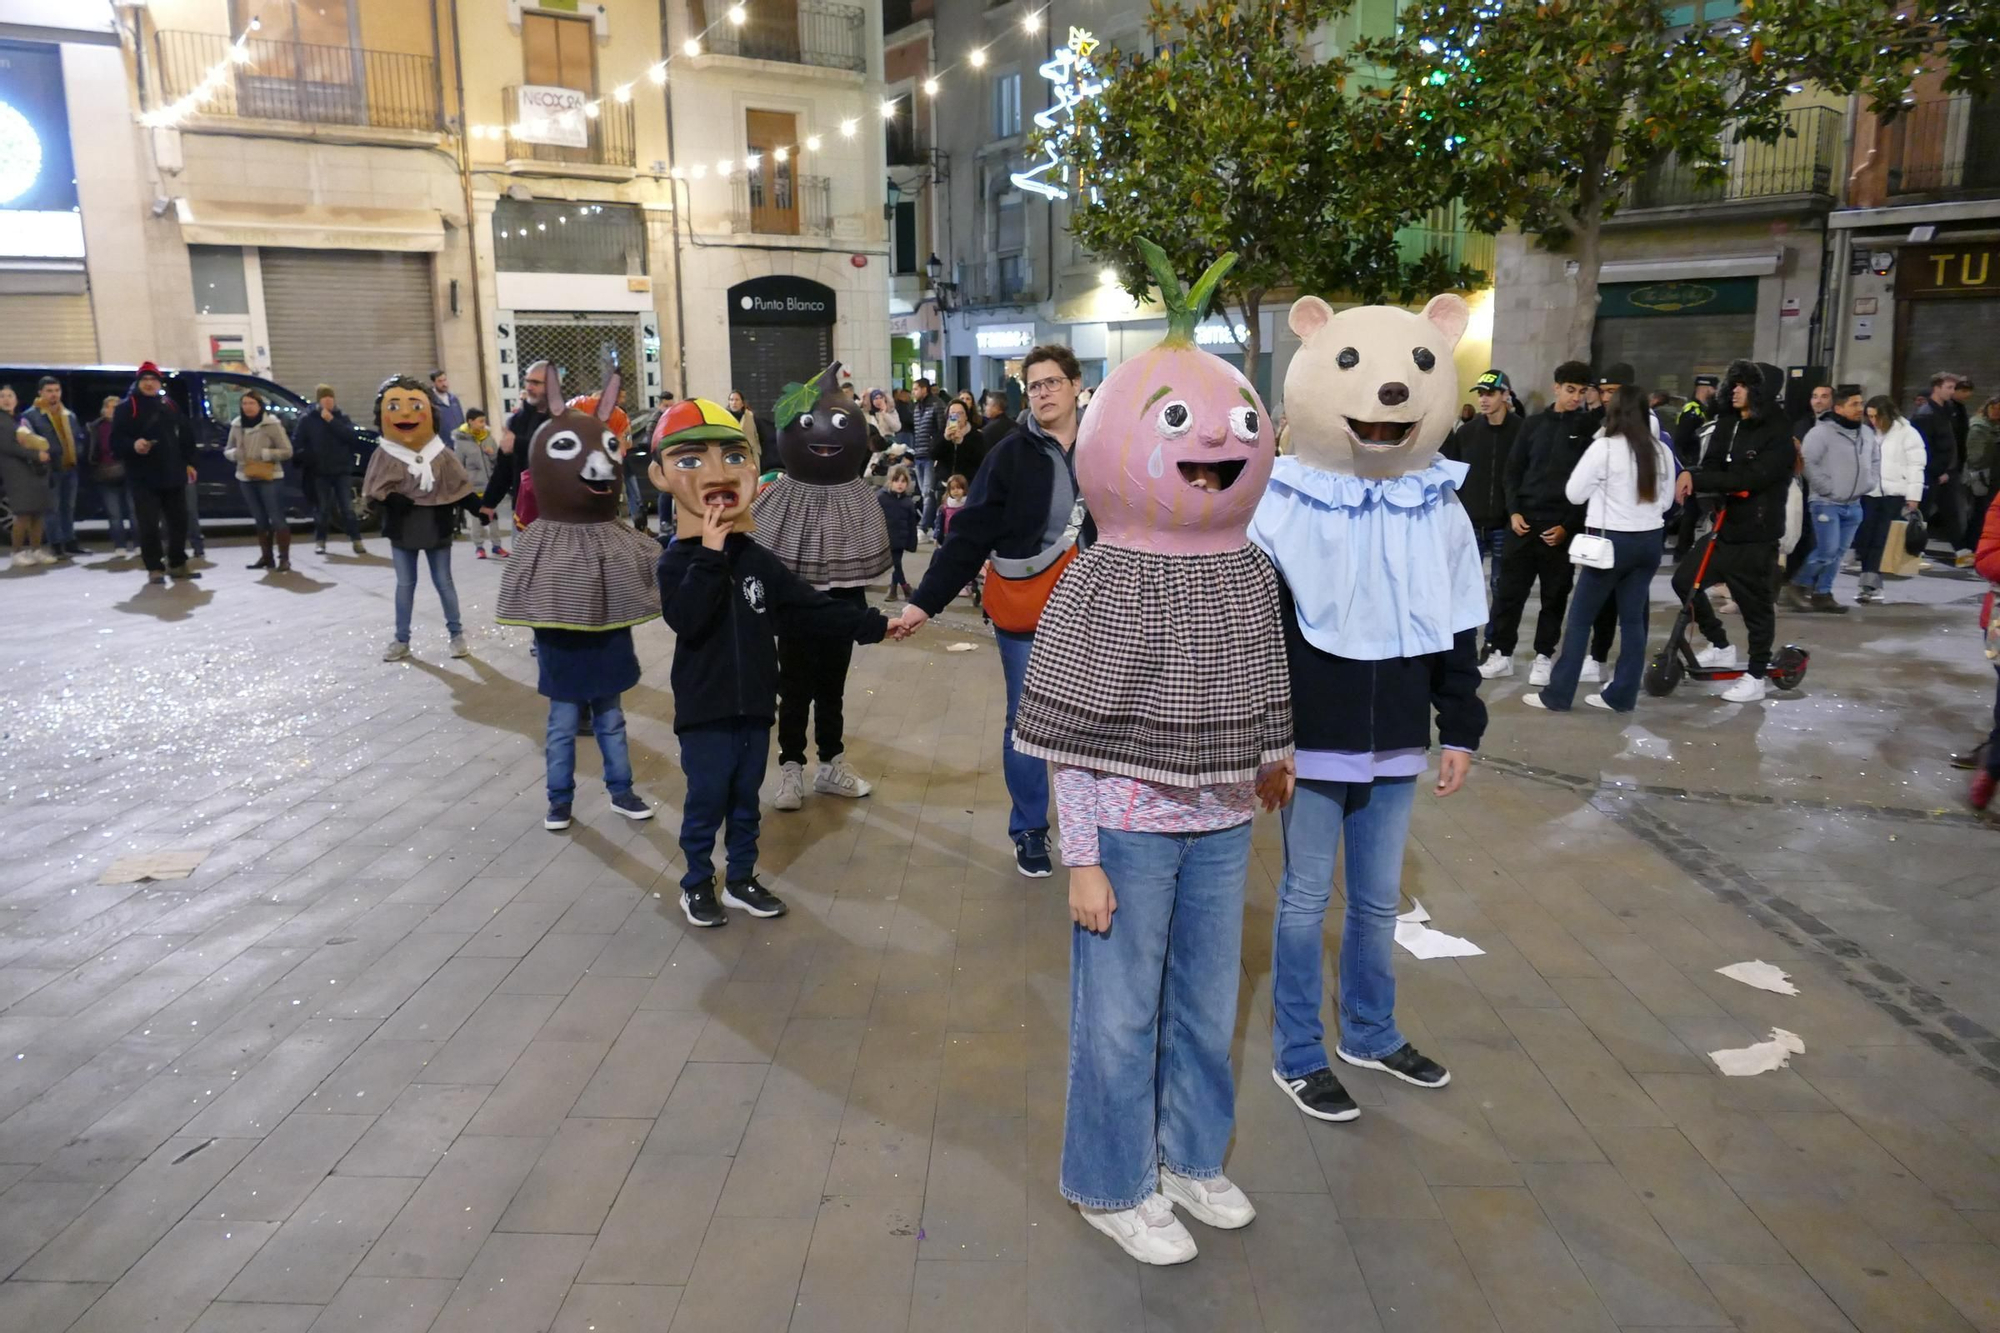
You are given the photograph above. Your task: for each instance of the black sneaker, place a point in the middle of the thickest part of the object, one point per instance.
(557, 818)
(1031, 855)
(698, 905)
(1406, 1063)
(1973, 758)
(631, 805)
(1319, 1095)
(753, 897)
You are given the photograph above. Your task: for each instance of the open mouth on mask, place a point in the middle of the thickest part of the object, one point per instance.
(407, 426)
(1216, 475)
(720, 498)
(596, 487)
(1378, 434)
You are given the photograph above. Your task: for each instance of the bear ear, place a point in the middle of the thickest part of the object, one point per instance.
(1451, 314)
(1309, 315)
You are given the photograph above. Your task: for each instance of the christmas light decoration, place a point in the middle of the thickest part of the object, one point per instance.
(1073, 79)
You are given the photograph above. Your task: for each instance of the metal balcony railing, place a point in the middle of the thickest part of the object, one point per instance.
(1945, 146)
(797, 32)
(1003, 281)
(772, 201)
(1800, 163)
(613, 140)
(299, 81)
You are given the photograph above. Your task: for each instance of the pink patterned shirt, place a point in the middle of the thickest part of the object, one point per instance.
(1087, 800)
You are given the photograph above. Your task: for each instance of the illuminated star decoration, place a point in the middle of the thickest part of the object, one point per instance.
(1074, 78)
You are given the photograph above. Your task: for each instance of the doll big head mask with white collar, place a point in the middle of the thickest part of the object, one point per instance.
(1373, 391)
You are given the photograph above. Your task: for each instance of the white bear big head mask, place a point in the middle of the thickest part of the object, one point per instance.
(1373, 391)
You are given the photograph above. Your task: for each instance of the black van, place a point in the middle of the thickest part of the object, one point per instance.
(211, 399)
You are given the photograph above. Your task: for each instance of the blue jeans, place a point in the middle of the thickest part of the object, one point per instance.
(1628, 584)
(267, 503)
(195, 542)
(635, 504)
(1373, 820)
(1152, 1008)
(1027, 778)
(724, 763)
(926, 470)
(406, 588)
(1833, 529)
(118, 514)
(59, 519)
(607, 720)
(1491, 540)
(335, 494)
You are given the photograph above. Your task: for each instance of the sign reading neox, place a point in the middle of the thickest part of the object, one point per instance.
(548, 115)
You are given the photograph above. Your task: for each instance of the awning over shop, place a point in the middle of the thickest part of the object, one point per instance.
(310, 227)
(1716, 266)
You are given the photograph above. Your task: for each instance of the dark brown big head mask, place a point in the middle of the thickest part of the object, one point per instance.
(822, 437)
(574, 461)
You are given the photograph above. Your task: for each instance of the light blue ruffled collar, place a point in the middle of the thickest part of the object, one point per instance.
(1344, 490)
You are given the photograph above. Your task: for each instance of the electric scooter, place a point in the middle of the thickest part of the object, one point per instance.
(1677, 659)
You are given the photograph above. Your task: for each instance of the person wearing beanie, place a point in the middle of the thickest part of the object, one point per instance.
(1540, 521)
(151, 436)
(325, 444)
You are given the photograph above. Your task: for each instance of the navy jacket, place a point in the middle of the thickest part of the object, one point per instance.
(900, 512)
(1340, 703)
(726, 609)
(326, 448)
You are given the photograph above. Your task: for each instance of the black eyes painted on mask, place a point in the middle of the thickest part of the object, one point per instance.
(1348, 358)
(1424, 358)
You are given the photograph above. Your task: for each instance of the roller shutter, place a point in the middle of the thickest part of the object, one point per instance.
(763, 358)
(1668, 353)
(1953, 335)
(348, 318)
(47, 329)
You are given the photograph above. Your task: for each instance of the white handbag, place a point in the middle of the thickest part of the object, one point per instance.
(1592, 550)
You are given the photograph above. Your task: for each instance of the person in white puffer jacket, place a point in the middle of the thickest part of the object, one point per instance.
(1898, 495)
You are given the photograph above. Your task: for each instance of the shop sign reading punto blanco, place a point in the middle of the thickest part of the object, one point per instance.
(548, 115)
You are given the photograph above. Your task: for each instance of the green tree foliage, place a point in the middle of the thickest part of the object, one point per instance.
(1242, 139)
(1551, 110)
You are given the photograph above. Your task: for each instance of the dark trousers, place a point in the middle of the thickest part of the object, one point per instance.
(812, 678)
(1877, 513)
(1690, 519)
(897, 579)
(335, 494)
(1492, 541)
(1747, 569)
(153, 510)
(724, 763)
(1946, 511)
(1523, 560)
(1624, 590)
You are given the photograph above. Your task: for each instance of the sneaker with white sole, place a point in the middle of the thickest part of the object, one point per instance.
(1723, 657)
(1538, 674)
(835, 778)
(1535, 701)
(396, 651)
(1598, 701)
(1319, 1094)
(750, 895)
(459, 647)
(1496, 665)
(1149, 1233)
(1215, 1201)
(1406, 1062)
(631, 805)
(1593, 671)
(791, 787)
(1747, 690)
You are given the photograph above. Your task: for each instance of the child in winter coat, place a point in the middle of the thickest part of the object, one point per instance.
(899, 507)
(475, 446)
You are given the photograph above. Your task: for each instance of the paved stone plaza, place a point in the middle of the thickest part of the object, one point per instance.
(396, 1059)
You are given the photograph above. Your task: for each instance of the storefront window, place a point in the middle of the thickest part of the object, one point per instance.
(560, 236)
(219, 284)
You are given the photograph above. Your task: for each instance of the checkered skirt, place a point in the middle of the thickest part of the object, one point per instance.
(830, 536)
(1166, 668)
(589, 576)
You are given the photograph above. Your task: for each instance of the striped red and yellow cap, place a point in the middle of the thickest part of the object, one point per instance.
(693, 419)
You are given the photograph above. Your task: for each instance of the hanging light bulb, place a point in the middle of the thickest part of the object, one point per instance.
(847, 128)
(658, 74)
(978, 58)
(812, 143)
(737, 18)
(590, 109)
(1031, 21)
(930, 90)
(623, 92)
(752, 162)
(782, 154)
(691, 47)
(889, 105)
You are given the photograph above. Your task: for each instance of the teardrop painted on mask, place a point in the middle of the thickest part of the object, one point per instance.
(1156, 465)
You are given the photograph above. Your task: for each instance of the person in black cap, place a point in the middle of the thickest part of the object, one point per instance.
(1483, 443)
(1540, 521)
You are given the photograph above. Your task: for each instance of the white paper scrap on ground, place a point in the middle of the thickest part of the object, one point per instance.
(1424, 942)
(1773, 1053)
(962, 648)
(141, 866)
(1416, 912)
(1762, 975)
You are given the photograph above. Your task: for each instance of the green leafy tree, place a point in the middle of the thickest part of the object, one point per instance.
(1242, 140)
(1552, 110)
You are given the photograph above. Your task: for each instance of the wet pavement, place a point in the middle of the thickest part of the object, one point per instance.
(394, 1058)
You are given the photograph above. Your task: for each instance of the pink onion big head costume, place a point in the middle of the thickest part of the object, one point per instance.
(1176, 448)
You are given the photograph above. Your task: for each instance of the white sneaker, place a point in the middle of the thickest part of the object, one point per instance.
(1747, 690)
(835, 778)
(1724, 657)
(1538, 674)
(1149, 1233)
(1496, 666)
(1533, 701)
(1597, 701)
(459, 647)
(791, 787)
(1215, 1201)
(1593, 671)
(396, 651)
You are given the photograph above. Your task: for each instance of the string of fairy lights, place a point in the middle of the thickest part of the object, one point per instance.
(239, 55)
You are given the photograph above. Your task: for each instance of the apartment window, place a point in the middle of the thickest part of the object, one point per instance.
(559, 52)
(1006, 104)
(906, 236)
(219, 284)
(313, 22)
(1011, 274)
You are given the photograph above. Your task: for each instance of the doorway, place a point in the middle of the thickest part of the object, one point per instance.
(773, 137)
